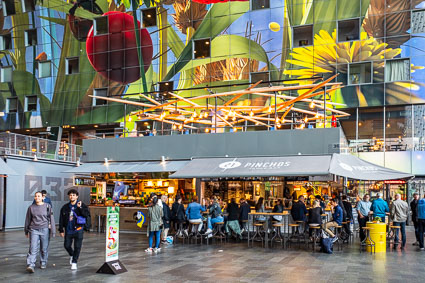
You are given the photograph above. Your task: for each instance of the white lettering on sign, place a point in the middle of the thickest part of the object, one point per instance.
(116, 266)
(266, 165)
(229, 164)
(358, 168)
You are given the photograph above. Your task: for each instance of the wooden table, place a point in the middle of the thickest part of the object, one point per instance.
(267, 215)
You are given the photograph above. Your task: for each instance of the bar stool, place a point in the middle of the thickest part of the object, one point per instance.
(218, 232)
(316, 234)
(194, 226)
(257, 227)
(391, 234)
(180, 233)
(294, 234)
(277, 229)
(367, 242)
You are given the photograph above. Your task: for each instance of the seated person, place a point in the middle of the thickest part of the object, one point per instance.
(322, 203)
(298, 210)
(232, 223)
(214, 215)
(315, 215)
(193, 212)
(278, 208)
(259, 207)
(337, 217)
(244, 210)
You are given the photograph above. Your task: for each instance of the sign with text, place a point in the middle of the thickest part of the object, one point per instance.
(84, 182)
(112, 233)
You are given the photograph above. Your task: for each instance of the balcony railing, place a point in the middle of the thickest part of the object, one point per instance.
(21, 145)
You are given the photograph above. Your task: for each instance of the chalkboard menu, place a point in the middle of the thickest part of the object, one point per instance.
(84, 182)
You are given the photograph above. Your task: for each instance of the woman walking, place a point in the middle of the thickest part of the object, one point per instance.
(39, 222)
(155, 222)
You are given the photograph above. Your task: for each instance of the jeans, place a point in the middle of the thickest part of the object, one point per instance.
(39, 240)
(421, 223)
(328, 225)
(403, 233)
(362, 223)
(416, 224)
(212, 221)
(157, 238)
(77, 237)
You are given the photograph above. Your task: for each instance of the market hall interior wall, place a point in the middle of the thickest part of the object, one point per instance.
(35, 176)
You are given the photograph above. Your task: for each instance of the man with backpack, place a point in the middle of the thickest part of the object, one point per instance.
(72, 220)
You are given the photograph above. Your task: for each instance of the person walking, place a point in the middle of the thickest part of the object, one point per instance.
(166, 218)
(363, 210)
(413, 206)
(421, 222)
(399, 211)
(72, 218)
(39, 223)
(379, 207)
(155, 212)
(46, 199)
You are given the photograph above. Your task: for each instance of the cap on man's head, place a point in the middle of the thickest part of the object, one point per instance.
(415, 193)
(379, 195)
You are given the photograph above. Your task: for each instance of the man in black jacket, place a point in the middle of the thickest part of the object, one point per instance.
(70, 226)
(348, 213)
(413, 206)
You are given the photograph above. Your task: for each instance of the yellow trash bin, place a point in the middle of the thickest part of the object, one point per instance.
(378, 234)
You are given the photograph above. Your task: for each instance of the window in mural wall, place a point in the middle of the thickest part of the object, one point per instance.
(6, 74)
(260, 76)
(100, 25)
(44, 69)
(418, 21)
(348, 30)
(397, 70)
(163, 88)
(72, 65)
(6, 41)
(12, 105)
(28, 5)
(149, 17)
(30, 103)
(303, 35)
(360, 73)
(202, 48)
(260, 4)
(31, 37)
(10, 7)
(100, 92)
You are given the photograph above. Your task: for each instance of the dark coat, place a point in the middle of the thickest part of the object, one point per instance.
(315, 215)
(298, 211)
(233, 211)
(178, 213)
(166, 215)
(64, 215)
(244, 210)
(348, 210)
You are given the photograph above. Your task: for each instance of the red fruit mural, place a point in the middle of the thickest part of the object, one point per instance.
(114, 55)
(215, 1)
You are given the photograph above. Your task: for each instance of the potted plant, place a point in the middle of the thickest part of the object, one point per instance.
(377, 219)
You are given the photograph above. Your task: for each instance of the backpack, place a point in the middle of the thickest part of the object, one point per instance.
(326, 245)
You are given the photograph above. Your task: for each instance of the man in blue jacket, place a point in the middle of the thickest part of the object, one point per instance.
(379, 207)
(421, 222)
(337, 216)
(193, 212)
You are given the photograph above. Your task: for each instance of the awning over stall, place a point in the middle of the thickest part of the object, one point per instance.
(304, 165)
(5, 169)
(350, 166)
(128, 167)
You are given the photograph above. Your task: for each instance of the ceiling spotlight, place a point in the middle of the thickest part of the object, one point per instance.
(312, 104)
(251, 114)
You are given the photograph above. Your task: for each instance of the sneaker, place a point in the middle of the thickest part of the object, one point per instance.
(30, 269)
(185, 233)
(209, 235)
(415, 244)
(73, 266)
(156, 250)
(334, 239)
(43, 266)
(422, 249)
(209, 231)
(149, 250)
(70, 260)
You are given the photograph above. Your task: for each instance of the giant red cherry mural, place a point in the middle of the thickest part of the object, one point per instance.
(215, 1)
(114, 55)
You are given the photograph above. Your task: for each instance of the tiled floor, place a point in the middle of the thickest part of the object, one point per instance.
(229, 262)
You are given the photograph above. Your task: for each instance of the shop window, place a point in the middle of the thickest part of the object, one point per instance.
(303, 35)
(201, 48)
(164, 87)
(100, 92)
(28, 5)
(6, 74)
(100, 25)
(72, 65)
(6, 41)
(12, 105)
(31, 37)
(349, 30)
(418, 21)
(8, 7)
(44, 69)
(260, 76)
(360, 73)
(30, 103)
(260, 4)
(397, 70)
(149, 17)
